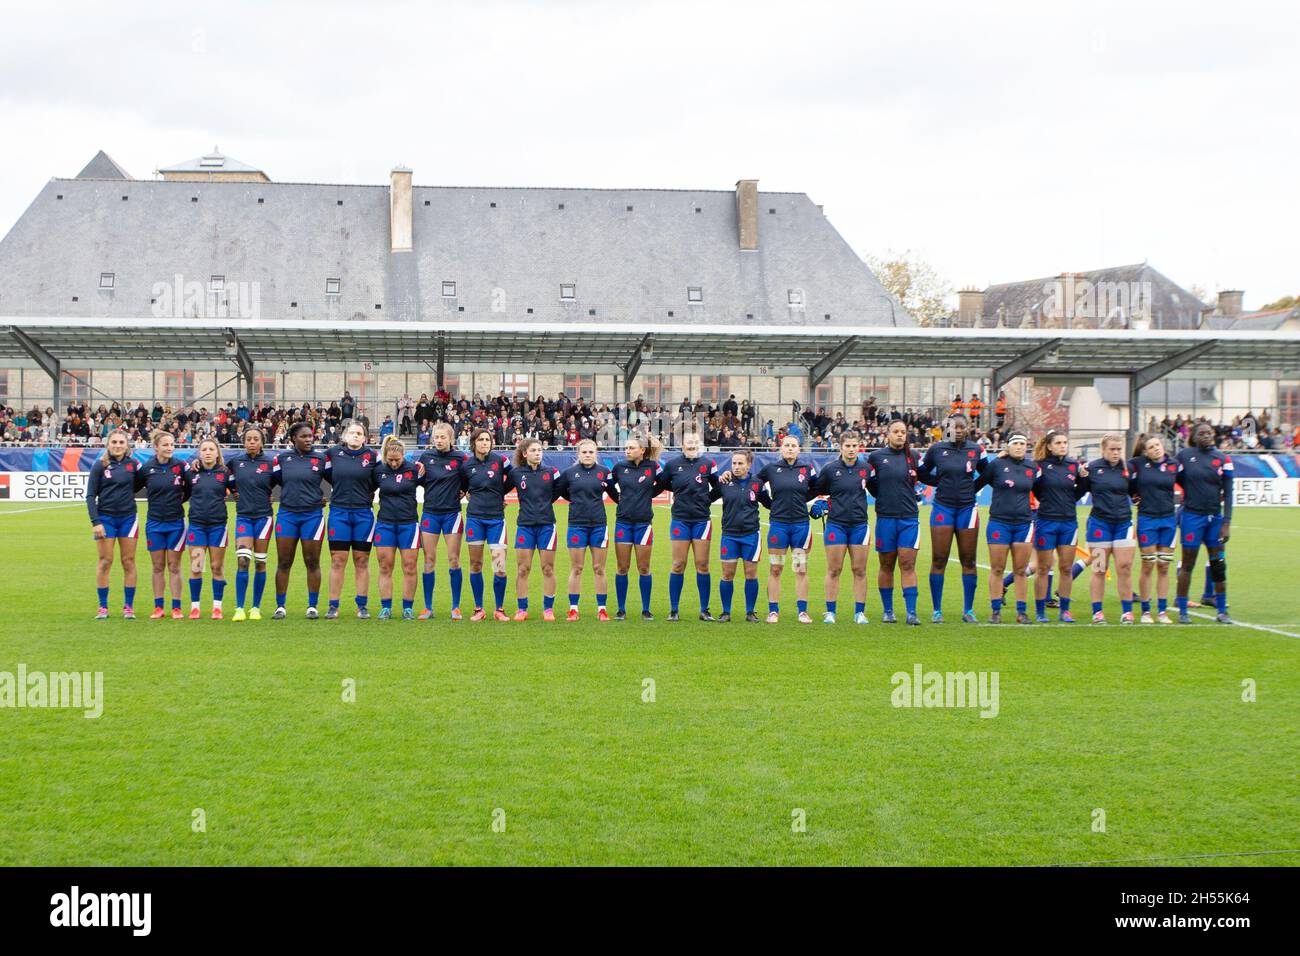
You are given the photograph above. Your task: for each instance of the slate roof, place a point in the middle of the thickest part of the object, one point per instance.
(102, 166)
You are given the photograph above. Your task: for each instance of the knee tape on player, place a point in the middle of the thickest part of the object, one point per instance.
(1165, 557)
(245, 554)
(260, 558)
(1151, 558)
(776, 559)
(1218, 570)
(498, 560)
(799, 560)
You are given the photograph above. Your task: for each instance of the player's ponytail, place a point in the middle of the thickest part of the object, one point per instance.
(650, 445)
(392, 441)
(1140, 446)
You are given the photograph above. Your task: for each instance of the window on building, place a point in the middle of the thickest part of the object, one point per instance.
(178, 387)
(107, 280)
(694, 293)
(825, 395)
(794, 296)
(449, 289)
(1288, 404)
(515, 384)
(450, 382)
(580, 386)
(713, 388)
(74, 384)
(333, 286)
(264, 389)
(869, 388)
(217, 284)
(657, 389)
(568, 291)
(4, 385)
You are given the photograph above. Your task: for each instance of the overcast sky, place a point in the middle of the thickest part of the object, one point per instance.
(998, 141)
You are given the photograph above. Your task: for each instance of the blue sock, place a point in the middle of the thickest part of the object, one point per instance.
(772, 607)
(241, 587)
(363, 599)
(968, 585)
(1221, 602)
(887, 599)
(1182, 605)
(620, 591)
(426, 581)
(218, 589)
(334, 605)
(408, 604)
(751, 594)
(936, 591)
(499, 589)
(1040, 606)
(103, 596)
(279, 599)
(1209, 583)
(725, 590)
(476, 586)
(176, 604)
(1126, 607)
(1096, 607)
(602, 600)
(704, 585)
(646, 583)
(1077, 568)
(196, 589)
(386, 603)
(548, 601)
(802, 606)
(909, 599)
(456, 577)
(259, 588)
(573, 599)
(522, 603)
(128, 597)
(1051, 580)
(996, 604)
(675, 584)
(1007, 579)
(313, 598)
(859, 607)
(1162, 605)
(1146, 607)
(1022, 607)
(831, 605)
(1065, 604)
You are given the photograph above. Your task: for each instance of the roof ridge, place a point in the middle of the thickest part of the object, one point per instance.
(570, 189)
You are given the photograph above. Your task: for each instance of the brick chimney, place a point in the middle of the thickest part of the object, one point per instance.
(747, 212)
(970, 307)
(1230, 303)
(399, 210)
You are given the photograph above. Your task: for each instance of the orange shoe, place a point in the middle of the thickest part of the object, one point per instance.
(177, 615)
(195, 614)
(478, 615)
(573, 614)
(455, 614)
(158, 614)
(216, 614)
(602, 615)
(500, 615)
(548, 614)
(425, 615)
(520, 616)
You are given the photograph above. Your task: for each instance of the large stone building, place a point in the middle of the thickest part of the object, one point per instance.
(215, 237)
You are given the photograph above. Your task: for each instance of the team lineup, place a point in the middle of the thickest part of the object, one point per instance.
(1032, 528)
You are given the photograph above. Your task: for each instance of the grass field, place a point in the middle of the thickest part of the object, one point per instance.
(546, 722)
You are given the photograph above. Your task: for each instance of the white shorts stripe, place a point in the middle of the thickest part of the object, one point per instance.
(320, 530)
(708, 531)
(185, 533)
(974, 517)
(415, 539)
(225, 535)
(370, 538)
(917, 546)
(1029, 535)
(459, 526)
(501, 538)
(553, 541)
(758, 549)
(135, 528)
(807, 542)
(648, 535)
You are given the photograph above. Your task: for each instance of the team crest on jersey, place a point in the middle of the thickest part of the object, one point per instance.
(365, 461)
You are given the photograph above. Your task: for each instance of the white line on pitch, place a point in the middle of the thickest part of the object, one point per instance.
(19, 511)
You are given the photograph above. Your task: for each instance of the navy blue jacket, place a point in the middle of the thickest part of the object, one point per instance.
(634, 488)
(1059, 488)
(110, 489)
(891, 479)
(253, 479)
(486, 483)
(397, 488)
(442, 480)
(789, 487)
(299, 477)
(1109, 485)
(167, 487)
(1012, 483)
(351, 476)
(538, 488)
(951, 470)
(691, 480)
(1206, 477)
(584, 488)
(846, 485)
(208, 489)
(1153, 483)
(740, 500)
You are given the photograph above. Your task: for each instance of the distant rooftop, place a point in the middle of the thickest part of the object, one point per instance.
(214, 165)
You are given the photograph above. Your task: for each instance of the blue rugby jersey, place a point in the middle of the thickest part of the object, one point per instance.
(167, 487)
(789, 486)
(691, 480)
(1109, 485)
(110, 489)
(352, 476)
(537, 488)
(892, 479)
(1012, 483)
(1153, 483)
(634, 487)
(252, 477)
(1059, 488)
(486, 483)
(1206, 479)
(397, 491)
(208, 489)
(442, 480)
(584, 488)
(951, 469)
(299, 477)
(740, 500)
(846, 485)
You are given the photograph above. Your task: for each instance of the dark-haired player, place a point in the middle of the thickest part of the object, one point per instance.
(950, 466)
(1205, 474)
(583, 485)
(1011, 475)
(167, 487)
(299, 472)
(633, 484)
(351, 525)
(254, 520)
(443, 488)
(397, 530)
(535, 531)
(891, 480)
(848, 530)
(741, 538)
(209, 524)
(484, 476)
(691, 478)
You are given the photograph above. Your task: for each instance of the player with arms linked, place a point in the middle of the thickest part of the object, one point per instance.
(443, 487)
(1205, 474)
(848, 531)
(633, 484)
(254, 520)
(397, 529)
(484, 475)
(950, 466)
(210, 484)
(535, 531)
(1153, 477)
(741, 538)
(1011, 475)
(167, 487)
(891, 480)
(110, 499)
(299, 472)
(691, 477)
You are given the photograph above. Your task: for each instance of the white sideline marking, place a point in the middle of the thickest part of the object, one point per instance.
(1251, 527)
(19, 511)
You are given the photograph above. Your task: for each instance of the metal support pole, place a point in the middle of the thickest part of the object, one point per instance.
(48, 363)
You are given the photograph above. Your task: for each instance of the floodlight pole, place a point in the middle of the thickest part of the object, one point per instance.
(48, 363)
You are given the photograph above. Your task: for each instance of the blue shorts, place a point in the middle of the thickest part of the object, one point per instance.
(350, 526)
(1195, 530)
(1004, 532)
(580, 538)
(1050, 535)
(391, 534)
(489, 531)
(838, 534)
(748, 548)
(535, 537)
(206, 536)
(895, 533)
(448, 522)
(781, 536)
(1159, 532)
(691, 530)
(257, 528)
(164, 535)
(944, 516)
(1112, 534)
(120, 526)
(304, 525)
(632, 532)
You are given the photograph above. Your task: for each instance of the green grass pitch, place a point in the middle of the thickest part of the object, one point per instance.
(543, 727)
